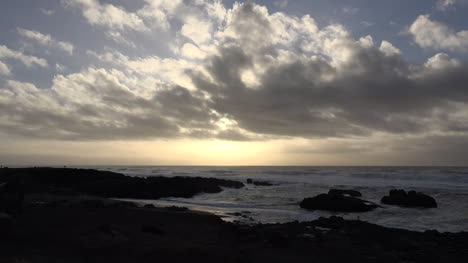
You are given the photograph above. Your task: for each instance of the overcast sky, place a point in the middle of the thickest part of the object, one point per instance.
(155, 82)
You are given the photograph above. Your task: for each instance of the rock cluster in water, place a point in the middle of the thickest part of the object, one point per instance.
(338, 201)
(409, 199)
(258, 183)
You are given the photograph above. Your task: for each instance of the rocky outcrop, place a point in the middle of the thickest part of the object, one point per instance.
(109, 184)
(409, 199)
(353, 193)
(337, 203)
(258, 183)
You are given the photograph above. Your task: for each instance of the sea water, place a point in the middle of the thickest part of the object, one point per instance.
(280, 202)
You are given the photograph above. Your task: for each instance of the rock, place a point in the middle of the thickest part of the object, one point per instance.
(152, 230)
(409, 199)
(353, 193)
(6, 222)
(114, 185)
(92, 203)
(337, 203)
(258, 183)
(278, 240)
(176, 208)
(149, 206)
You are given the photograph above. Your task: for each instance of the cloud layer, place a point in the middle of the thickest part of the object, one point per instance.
(242, 74)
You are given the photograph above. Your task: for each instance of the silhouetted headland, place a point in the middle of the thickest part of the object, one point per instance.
(67, 217)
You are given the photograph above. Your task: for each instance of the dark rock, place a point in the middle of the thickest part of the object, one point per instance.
(176, 208)
(92, 203)
(149, 206)
(278, 240)
(109, 184)
(261, 183)
(353, 193)
(409, 199)
(258, 183)
(6, 222)
(152, 230)
(337, 203)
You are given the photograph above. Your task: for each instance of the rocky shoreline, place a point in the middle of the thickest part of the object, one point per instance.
(109, 184)
(68, 226)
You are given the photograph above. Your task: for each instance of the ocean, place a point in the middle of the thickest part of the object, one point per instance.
(280, 202)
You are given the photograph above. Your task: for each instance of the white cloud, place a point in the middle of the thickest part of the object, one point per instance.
(158, 12)
(388, 49)
(366, 23)
(157, 70)
(60, 67)
(191, 51)
(107, 15)
(442, 61)
(438, 36)
(444, 5)
(197, 30)
(46, 40)
(96, 103)
(47, 12)
(215, 9)
(117, 37)
(29, 61)
(350, 10)
(4, 69)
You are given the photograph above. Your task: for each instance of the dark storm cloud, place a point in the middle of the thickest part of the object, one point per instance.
(371, 92)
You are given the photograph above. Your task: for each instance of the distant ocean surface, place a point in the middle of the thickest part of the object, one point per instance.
(279, 203)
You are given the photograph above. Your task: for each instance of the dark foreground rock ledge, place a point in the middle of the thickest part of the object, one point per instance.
(109, 184)
(64, 231)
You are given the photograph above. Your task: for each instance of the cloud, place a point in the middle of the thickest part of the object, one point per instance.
(191, 51)
(60, 67)
(438, 36)
(388, 49)
(107, 15)
(46, 40)
(297, 80)
(366, 23)
(28, 61)
(47, 12)
(4, 69)
(99, 104)
(350, 10)
(158, 12)
(197, 30)
(444, 5)
(337, 88)
(281, 3)
(117, 37)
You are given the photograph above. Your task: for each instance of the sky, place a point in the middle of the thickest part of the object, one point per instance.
(192, 82)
